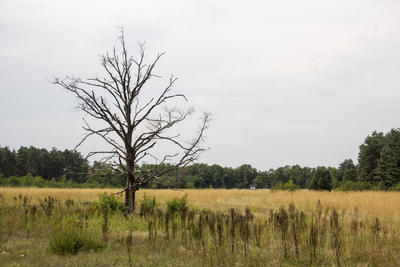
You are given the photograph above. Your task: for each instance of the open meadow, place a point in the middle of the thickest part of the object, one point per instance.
(213, 227)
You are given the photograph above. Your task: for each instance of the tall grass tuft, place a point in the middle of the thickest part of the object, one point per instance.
(282, 222)
(48, 205)
(148, 206)
(105, 223)
(129, 243)
(71, 240)
(336, 239)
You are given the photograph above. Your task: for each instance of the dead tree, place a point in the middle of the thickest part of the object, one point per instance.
(134, 126)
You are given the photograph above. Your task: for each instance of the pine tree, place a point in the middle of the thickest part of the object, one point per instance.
(388, 167)
(369, 155)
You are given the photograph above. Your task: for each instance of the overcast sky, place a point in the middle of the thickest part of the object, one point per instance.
(288, 81)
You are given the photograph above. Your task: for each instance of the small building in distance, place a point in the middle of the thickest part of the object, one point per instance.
(253, 187)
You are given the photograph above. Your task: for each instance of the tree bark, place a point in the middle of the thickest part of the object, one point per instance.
(126, 197)
(130, 199)
(132, 202)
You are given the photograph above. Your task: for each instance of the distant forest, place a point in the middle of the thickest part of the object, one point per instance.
(378, 168)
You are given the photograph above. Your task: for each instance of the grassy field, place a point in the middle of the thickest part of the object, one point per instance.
(371, 204)
(280, 228)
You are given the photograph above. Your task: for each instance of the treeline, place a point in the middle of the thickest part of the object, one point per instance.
(378, 169)
(31, 166)
(41, 162)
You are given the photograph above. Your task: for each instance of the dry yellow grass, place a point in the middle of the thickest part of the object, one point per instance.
(29, 234)
(385, 205)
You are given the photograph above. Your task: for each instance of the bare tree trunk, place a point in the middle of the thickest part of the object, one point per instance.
(130, 194)
(126, 197)
(134, 130)
(130, 199)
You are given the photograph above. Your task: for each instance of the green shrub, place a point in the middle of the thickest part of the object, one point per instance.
(395, 188)
(381, 186)
(69, 202)
(290, 185)
(277, 186)
(147, 205)
(110, 202)
(177, 205)
(71, 240)
(354, 186)
(13, 181)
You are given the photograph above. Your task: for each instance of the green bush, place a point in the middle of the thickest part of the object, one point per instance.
(71, 240)
(395, 188)
(13, 181)
(381, 186)
(110, 202)
(277, 186)
(354, 186)
(290, 185)
(147, 205)
(177, 205)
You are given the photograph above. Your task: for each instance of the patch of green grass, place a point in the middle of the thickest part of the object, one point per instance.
(71, 240)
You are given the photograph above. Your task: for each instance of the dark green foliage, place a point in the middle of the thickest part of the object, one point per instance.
(321, 180)
(379, 167)
(7, 162)
(37, 181)
(30, 166)
(350, 175)
(346, 171)
(71, 240)
(379, 159)
(388, 168)
(43, 163)
(395, 188)
(369, 155)
(41, 168)
(215, 176)
(354, 186)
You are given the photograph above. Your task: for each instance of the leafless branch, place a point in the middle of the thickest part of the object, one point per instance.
(133, 131)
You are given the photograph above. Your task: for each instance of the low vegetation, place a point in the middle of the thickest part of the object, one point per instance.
(199, 228)
(70, 239)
